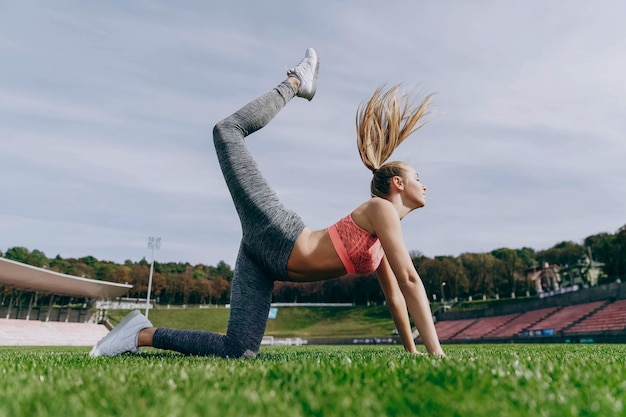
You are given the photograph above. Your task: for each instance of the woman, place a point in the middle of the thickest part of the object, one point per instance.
(276, 245)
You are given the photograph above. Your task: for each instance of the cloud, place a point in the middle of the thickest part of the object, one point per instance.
(107, 111)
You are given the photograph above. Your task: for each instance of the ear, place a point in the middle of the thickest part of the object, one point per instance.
(398, 183)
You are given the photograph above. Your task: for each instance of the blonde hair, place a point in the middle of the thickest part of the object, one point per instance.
(382, 124)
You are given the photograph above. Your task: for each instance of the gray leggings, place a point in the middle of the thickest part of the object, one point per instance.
(269, 234)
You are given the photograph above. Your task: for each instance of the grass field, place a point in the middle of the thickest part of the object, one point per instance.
(304, 322)
(476, 380)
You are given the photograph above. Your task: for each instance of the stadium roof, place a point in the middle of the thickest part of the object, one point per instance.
(19, 275)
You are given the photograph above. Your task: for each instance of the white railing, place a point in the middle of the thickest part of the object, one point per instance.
(289, 341)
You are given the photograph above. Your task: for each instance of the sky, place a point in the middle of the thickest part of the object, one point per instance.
(107, 109)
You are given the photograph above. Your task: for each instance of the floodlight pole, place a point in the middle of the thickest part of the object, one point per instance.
(443, 284)
(153, 243)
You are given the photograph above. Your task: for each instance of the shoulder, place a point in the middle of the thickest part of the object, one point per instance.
(375, 214)
(373, 204)
(380, 208)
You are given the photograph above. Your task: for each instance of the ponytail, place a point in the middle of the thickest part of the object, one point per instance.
(382, 124)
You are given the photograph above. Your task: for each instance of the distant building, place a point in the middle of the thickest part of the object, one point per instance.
(546, 278)
(586, 272)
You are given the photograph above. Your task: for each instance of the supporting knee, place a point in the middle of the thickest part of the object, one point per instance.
(235, 349)
(249, 354)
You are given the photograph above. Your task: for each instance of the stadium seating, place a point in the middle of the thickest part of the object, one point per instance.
(610, 318)
(522, 322)
(448, 329)
(15, 332)
(592, 318)
(482, 328)
(567, 316)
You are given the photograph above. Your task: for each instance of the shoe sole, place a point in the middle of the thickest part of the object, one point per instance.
(315, 73)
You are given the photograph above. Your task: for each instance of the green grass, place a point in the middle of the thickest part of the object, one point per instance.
(305, 322)
(476, 380)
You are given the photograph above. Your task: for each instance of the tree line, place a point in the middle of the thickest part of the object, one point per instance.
(172, 283)
(502, 272)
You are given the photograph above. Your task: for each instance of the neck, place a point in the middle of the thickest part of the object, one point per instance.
(399, 205)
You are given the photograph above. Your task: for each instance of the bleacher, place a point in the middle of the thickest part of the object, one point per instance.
(15, 332)
(450, 328)
(611, 318)
(560, 323)
(523, 322)
(568, 316)
(481, 329)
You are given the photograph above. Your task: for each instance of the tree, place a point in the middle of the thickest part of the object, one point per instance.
(221, 270)
(18, 254)
(37, 258)
(139, 275)
(609, 249)
(203, 289)
(90, 261)
(528, 260)
(172, 292)
(105, 271)
(186, 287)
(620, 250)
(219, 289)
(78, 268)
(361, 289)
(122, 274)
(59, 264)
(510, 263)
(564, 253)
(500, 272)
(158, 284)
(454, 275)
(444, 269)
(285, 292)
(480, 272)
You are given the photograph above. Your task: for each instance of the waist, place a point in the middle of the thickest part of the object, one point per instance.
(314, 258)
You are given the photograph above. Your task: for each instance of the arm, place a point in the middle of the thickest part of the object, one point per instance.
(397, 304)
(387, 226)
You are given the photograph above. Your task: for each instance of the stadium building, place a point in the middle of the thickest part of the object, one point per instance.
(39, 306)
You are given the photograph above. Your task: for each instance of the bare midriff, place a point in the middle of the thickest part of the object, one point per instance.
(314, 258)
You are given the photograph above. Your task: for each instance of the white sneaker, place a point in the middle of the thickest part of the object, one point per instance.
(123, 338)
(306, 71)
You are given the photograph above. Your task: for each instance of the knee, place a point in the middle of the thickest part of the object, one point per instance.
(223, 128)
(235, 349)
(248, 354)
(218, 131)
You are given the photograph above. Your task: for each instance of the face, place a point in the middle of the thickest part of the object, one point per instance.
(414, 190)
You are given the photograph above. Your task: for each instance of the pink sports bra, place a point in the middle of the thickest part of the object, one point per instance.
(358, 249)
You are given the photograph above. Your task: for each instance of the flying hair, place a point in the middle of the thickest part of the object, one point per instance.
(384, 122)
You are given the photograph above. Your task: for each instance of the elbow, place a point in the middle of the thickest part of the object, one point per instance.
(409, 281)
